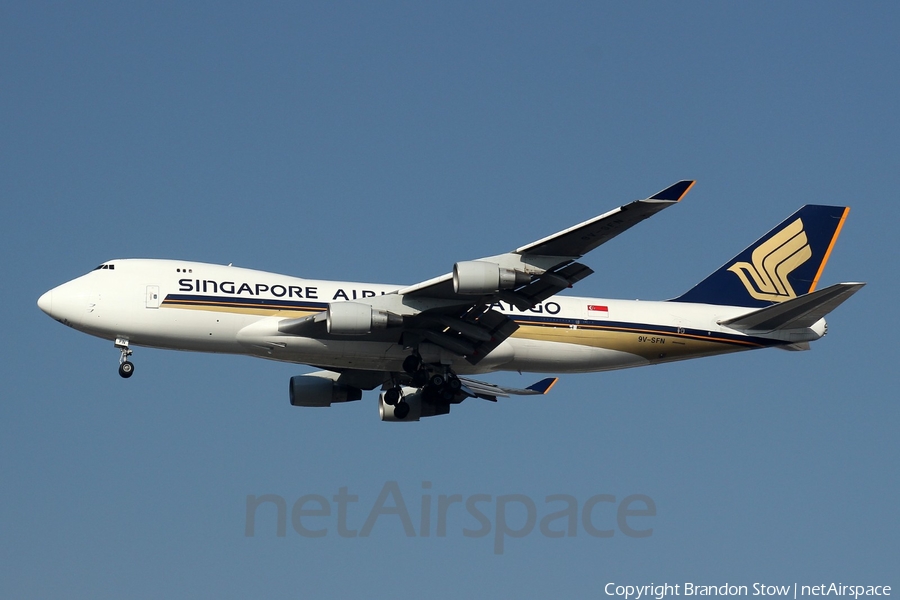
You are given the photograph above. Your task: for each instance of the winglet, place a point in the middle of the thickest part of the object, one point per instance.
(543, 386)
(675, 192)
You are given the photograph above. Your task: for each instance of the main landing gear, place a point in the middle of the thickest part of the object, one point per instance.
(126, 367)
(438, 385)
(394, 397)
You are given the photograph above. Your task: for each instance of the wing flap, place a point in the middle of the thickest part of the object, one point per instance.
(500, 327)
(465, 324)
(472, 332)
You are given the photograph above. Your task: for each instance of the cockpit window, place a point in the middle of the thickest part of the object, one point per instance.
(105, 266)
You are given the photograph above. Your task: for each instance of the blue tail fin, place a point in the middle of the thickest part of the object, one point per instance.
(783, 264)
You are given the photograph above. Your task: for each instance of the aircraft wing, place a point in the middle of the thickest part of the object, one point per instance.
(551, 260)
(456, 311)
(369, 380)
(465, 322)
(584, 237)
(489, 391)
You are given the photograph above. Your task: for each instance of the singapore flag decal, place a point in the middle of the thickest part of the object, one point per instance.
(597, 310)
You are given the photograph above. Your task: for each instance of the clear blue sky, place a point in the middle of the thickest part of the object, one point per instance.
(383, 142)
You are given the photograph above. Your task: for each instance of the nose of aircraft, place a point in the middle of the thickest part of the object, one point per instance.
(45, 302)
(71, 302)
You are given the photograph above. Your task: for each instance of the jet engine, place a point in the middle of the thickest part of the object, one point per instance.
(353, 318)
(477, 277)
(312, 390)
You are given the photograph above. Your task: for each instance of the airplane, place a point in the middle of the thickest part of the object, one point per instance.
(420, 344)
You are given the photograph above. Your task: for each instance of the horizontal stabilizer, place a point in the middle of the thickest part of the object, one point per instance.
(798, 313)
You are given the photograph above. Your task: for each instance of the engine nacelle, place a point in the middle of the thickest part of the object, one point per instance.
(417, 408)
(312, 390)
(477, 277)
(353, 318)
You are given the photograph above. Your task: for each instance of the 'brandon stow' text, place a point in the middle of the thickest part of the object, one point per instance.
(658, 592)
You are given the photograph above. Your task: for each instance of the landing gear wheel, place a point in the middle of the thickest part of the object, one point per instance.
(392, 396)
(126, 369)
(447, 394)
(454, 383)
(411, 364)
(437, 380)
(401, 411)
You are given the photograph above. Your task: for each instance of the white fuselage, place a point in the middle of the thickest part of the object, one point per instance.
(202, 307)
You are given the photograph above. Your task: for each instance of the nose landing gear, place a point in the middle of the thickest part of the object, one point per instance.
(126, 367)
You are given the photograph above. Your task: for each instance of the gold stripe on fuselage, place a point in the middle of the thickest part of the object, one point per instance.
(647, 343)
(245, 309)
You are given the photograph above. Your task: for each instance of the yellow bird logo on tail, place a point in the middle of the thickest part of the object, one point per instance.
(767, 278)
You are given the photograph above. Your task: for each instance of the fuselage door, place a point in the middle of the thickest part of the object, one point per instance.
(152, 296)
